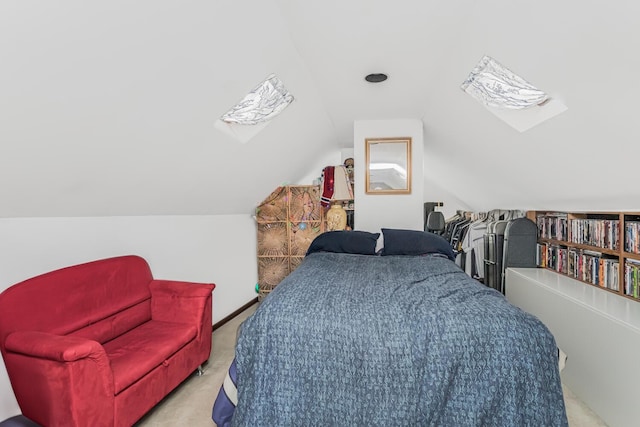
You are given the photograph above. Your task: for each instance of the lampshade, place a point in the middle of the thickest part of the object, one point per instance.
(341, 186)
(336, 188)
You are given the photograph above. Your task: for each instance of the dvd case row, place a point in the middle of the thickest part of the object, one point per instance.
(603, 233)
(632, 278)
(552, 226)
(632, 236)
(588, 266)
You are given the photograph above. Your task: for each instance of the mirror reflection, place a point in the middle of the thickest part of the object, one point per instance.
(388, 166)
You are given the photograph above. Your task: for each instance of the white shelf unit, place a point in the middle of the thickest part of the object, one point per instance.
(598, 330)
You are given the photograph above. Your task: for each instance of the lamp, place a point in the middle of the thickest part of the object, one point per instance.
(336, 189)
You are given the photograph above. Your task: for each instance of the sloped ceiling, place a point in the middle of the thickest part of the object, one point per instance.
(107, 108)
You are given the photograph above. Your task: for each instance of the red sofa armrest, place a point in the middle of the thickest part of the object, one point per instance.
(53, 347)
(182, 302)
(60, 380)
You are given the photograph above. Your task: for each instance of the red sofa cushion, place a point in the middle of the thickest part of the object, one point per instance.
(75, 297)
(116, 324)
(137, 352)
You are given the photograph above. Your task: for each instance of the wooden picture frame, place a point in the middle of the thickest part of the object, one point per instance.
(388, 165)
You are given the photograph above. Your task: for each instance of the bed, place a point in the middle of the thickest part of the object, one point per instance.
(353, 337)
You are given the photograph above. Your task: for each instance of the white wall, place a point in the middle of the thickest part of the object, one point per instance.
(432, 188)
(330, 158)
(390, 211)
(433, 192)
(215, 249)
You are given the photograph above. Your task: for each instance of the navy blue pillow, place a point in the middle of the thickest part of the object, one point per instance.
(346, 242)
(413, 242)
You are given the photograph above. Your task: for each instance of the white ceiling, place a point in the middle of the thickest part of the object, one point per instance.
(107, 107)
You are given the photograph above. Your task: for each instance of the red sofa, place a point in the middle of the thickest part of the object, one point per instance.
(100, 343)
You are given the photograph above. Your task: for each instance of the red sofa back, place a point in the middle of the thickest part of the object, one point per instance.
(98, 300)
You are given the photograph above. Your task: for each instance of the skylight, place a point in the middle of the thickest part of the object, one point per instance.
(509, 96)
(244, 120)
(496, 86)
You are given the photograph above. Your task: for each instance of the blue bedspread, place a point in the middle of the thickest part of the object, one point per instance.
(355, 340)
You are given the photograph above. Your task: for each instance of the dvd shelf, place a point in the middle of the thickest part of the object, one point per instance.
(598, 248)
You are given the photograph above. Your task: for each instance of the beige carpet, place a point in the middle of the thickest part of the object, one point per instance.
(190, 404)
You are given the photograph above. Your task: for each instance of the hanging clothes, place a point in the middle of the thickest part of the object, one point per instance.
(472, 245)
(473, 248)
(335, 185)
